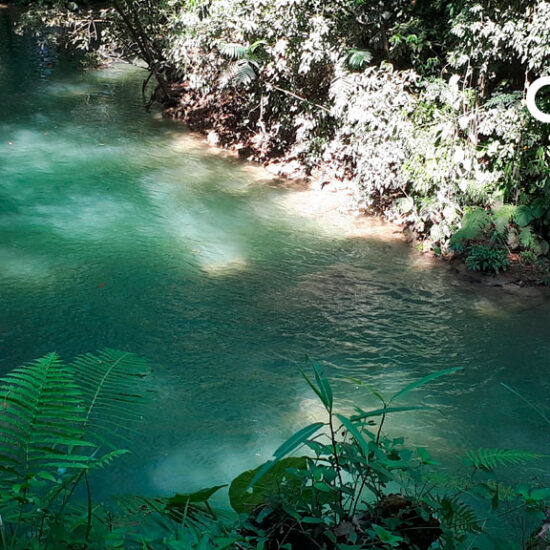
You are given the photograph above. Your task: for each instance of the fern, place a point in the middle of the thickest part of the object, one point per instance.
(41, 420)
(502, 217)
(52, 420)
(358, 59)
(472, 227)
(457, 515)
(111, 392)
(489, 459)
(152, 513)
(527, 238)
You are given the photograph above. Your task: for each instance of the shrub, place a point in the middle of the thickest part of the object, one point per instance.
(528, 257)
(487, 259)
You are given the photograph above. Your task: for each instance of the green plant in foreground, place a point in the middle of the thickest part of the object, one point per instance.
(58, 423)
(357, 488)
(528, 257)
(353, 488)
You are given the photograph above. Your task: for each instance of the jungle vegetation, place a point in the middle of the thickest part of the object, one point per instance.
(338, 483)
(418, 104)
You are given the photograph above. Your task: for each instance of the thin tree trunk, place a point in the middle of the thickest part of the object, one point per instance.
(138, 33)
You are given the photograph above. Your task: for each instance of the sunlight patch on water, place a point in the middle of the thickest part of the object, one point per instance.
(51, 150)
(84, 216)
(189, 467)
(63, 90)
(213, 237)
(16, 264)
(485, 307)
(223, 263)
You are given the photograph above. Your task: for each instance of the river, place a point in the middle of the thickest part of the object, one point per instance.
(120, 229)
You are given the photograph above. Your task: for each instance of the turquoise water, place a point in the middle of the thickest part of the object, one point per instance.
(118, 229)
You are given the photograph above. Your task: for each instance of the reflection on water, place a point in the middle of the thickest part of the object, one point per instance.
(120, 230)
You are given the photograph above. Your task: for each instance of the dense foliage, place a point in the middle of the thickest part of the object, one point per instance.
(418, 104)
(350, 487)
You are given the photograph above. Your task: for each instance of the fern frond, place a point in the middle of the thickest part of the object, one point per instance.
(358, 59)
(527, 237)
(162, 511)
(41, 419)
(112, 391)
(233, 50)
(456, 515)
(472, 226)
(502, 217)
(489, 459)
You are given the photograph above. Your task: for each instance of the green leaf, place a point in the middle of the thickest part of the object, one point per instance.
(256, 45)
(385, 410)
(358, 59)
(523, 215)
(425, 380)
(199, 496)
(233, 50)
(297, 439)
(539, 207)
(322, 387)
(45, 419)
(473, 224)
(538, 495)
(527, 237)
(352, 429)
(287, 447)
(385, 536)
(425, 456)
(489, 459)
(114, 387)
(248, 490)
(502, 217)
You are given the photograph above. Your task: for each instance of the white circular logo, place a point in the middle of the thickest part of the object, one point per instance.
(531, 96)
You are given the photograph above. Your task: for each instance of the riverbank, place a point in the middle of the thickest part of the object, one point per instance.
(323, 194)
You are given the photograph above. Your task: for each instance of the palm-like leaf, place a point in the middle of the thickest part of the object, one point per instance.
(246, 61)
(112, 392)
(233, 50)
(358, 59)
(242, 71)
(42, 420)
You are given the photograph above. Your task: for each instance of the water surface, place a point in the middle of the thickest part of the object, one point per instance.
(117, 230)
